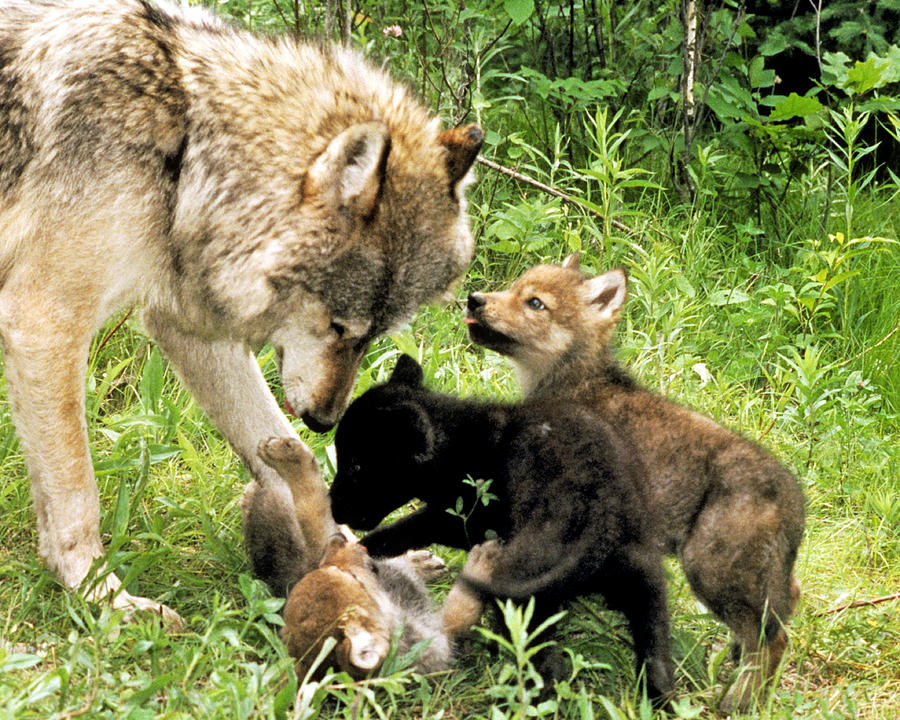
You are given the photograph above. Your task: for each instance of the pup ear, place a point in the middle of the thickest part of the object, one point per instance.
(335, 543)
(573, 262)
(606, 292)
(367, 651)
(413, 431)
(406, 372)
(462, 146)
(350, 172)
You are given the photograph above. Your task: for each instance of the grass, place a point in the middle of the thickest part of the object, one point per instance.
(176, 485)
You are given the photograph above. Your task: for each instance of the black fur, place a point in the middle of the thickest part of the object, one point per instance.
(569, 505)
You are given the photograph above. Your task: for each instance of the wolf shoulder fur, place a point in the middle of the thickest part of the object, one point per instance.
(243, 188)
(733, 513)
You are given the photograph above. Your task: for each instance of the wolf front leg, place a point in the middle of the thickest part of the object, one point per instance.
(46, 347)
(226, 381)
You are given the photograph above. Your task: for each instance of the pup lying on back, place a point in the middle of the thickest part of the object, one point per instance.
(568, 503)
(731, 512)
(335, 588)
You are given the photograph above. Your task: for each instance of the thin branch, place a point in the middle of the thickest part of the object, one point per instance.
(111, 332)
(818, 11)
(549, 190)
(859, 603)
(883, 340)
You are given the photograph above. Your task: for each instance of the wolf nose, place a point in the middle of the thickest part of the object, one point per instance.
(315, 424)
(476, 301)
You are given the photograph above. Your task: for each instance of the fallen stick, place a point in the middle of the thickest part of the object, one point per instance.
(859, 603)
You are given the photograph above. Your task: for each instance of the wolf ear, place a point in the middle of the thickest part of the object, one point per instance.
(335, 543)
(573, 262)
(350, 172)
(462, 146)
(606, 292)
(406, 372)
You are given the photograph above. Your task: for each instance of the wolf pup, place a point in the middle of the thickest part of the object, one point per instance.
(335, 589)
(568, 503)
(243, 188)
(730, 511)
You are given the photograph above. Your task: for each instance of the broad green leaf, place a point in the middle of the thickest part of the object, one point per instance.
(795, 105)
(868, 75)
(519, 10)
(728, 297)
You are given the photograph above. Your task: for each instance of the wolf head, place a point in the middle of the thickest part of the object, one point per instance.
(342, 599)
(383, 444)
(552, 314)
(326, 204)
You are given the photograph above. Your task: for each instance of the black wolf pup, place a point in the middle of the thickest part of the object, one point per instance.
(569, 503)
(731, 511)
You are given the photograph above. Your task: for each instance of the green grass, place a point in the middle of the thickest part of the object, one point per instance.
(158, 458)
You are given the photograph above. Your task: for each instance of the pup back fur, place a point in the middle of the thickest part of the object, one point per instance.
(733, 514)
(567, 499)
(244, 188)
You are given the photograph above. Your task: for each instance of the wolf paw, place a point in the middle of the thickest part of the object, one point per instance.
(482, 559)
(135, 607)
(425, 564)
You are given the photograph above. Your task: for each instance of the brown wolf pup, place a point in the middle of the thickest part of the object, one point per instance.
(363, 603)
(336, 590)
(244, 188)
(732, 513)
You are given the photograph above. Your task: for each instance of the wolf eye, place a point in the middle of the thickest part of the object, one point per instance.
(338, 329)
(535, 304)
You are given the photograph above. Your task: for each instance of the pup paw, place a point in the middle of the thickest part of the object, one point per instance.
(278, 451)
(425, 564)
(482, 560)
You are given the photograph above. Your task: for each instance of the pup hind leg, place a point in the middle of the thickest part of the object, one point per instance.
(45, 369)
(635, 585)
(739, 564)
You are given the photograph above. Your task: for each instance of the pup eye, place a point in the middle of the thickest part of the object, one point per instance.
(535, 304)
(337, 329)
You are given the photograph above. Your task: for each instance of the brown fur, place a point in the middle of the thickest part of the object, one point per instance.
(363, 603)
(729, 509)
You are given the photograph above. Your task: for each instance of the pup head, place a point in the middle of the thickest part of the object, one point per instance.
(342, 599)
(550, 314)
(384, 443)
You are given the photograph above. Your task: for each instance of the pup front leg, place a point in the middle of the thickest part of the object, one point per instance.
(296, 465)
(45, 370)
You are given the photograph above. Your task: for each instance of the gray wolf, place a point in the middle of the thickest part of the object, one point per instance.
(731, 512)
(568, 501)
(336, 590)
(243, 188)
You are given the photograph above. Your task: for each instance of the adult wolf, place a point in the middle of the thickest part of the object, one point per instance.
(242, 188)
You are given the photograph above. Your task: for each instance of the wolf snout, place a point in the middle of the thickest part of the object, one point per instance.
(317, 425)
